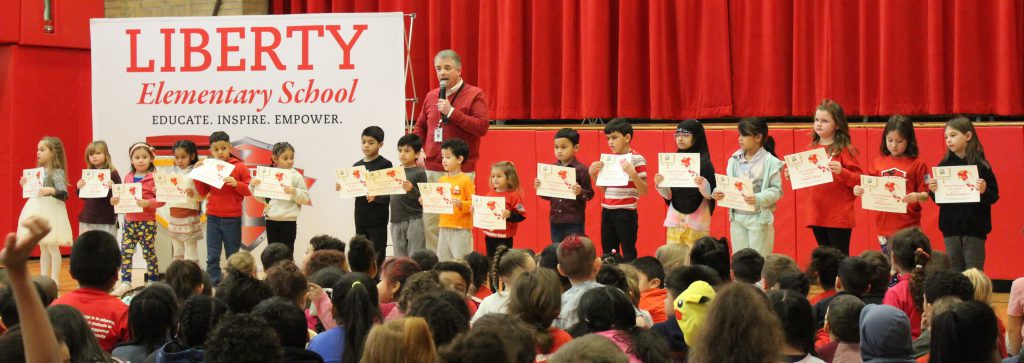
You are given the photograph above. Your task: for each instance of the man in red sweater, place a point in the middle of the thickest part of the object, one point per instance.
(95, 261)
(462, 114)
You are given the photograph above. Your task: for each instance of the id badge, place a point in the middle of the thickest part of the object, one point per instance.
(438, 134)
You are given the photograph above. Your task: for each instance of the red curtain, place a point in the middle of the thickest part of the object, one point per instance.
(675, 59)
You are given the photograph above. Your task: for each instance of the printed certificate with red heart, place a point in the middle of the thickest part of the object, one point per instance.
(556, 181)
(437, 198)
(352, 182)
(957, 184)
(488, 212)
(97, 183)
(33, 182)
(212, 172)
(386, 181)
(808, 168)
(272, 182)
(678, 169)
(735, 189)
(171, 187)
(884, 193)
(130, 194)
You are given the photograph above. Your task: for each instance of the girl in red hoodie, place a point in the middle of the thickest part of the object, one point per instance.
(139, 228)
(505, 183)
(224, 206)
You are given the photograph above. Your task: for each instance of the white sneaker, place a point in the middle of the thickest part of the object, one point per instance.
(121, 288)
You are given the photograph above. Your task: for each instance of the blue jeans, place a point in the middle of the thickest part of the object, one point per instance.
(221, 231)
(560, 230)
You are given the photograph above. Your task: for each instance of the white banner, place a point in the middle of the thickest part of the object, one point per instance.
(315, 81)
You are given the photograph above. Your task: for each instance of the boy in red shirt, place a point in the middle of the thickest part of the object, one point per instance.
(224, 205)
(95, 261)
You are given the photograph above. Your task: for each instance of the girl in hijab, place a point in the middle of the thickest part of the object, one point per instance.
(688, 215)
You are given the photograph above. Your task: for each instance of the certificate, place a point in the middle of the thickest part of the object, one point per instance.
(735, 189)
(212, 172)
(352, 181)
(33, 182)
(385, 181)
(809, 168)
(437, 198)
(487, 212)
(612, 174)
(556, 181)
(884, 194)
(272, 182)
(130, 194)
(957, 184)
(95, 183)
(678, 169)
(170, 188)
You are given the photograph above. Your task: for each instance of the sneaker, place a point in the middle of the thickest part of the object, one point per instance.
(121, 289)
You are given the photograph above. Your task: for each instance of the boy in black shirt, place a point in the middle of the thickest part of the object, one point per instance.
(372, 212)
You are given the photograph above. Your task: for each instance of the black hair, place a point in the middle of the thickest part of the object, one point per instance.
(518, 340)
(713, 253)
(457, 147)
(568, 134)
(68, 322)
(274, 253)
(746, 265)
(474, 347)
(607, 308)
(12, 345)
(183, 276)
(95, 259)
(285, 280)
(651, 268)
(619, 125)
(797, 318)
(905, 127)
(844, 318)
(911, 250)
(681, 278)
(480, 265)
(241, 292)
(326, 242)
(327, 276)
(9, 309)
(355, 308)
(243, 338)
(361, 256)
(287, 319)
(456, 267)
(190, 149)
(948, 283)
(549, 260)
(965, 334)
(445, 312)
(278, 149)
(375, 132)
(411, 140)
(199, 315)
(611, 275)
(152, 317)
(880, 268)
(753, 126)
(825, 266)
(219, 136)
(795, 281)
(425, 258)
(855, 274)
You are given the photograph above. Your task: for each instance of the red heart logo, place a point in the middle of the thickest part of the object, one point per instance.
(279, 176)
(813, 158)
(491, 205)
(440, 190)
(890, 186)
(563, 174)
(220, 167)
(963, 174)
(131, 190)
(174, 181)
(99, 176)
(739, 186)
(686, 162)
(392, 173)
(355, 173)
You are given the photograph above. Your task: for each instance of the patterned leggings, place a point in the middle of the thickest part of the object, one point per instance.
(144, 234)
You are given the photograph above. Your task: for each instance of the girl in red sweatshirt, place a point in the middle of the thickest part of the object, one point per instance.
(505, 183)
(224, 206)
(139, 228)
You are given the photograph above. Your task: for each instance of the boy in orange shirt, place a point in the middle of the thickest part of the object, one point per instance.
(652, 291)
(455, 232)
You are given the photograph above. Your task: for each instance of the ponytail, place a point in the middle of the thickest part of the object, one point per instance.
(751, 126)
(355, 308)
(911, 251)
(494, 279)
(917, 277)
(769, 145)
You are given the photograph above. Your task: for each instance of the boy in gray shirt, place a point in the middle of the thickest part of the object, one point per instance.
(406, 210)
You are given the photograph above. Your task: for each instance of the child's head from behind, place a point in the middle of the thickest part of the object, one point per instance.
(619, 133)
(409, 147)
(356, 308)
(220, 145)
(504, 176)
(967, 333)
(855, 275)
(152, 315)
(322, 259)
(713, 253)
(747, 265)
(910, 248)
(567, 143)
(372, 138)
(455, 276)
(453, 153)
(327, 242)
(425, 258)
(794, 281)
(825, 266)
(283, 155)
(417, 285)
(536, 297)
(400, 340)
(982, 285)
(185, 153)
(361, 255)
(673, 255)
(274, 253)
(775, 265)
(243, 338)
(287, 320)
(797, 317)
(507, 265)
(651, 273)
(242, 262)
(69, 323)
(241, 292)
(285, 280)
(898, 137)
(577, 259)
(97, 155)
(479, 265)
(95, 260)
(142, 156)
(590, 348)
(604, 308)
(446, 313)
(50, 153)
(198, 314)
(185, 277)
(842, 320)
(880, 268)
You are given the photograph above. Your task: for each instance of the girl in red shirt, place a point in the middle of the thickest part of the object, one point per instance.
(505, 183)
(899, 160)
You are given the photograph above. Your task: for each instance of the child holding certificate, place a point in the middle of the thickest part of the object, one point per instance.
(281, 214)
(406, 210)
(184, 225)
(966, 225)
(688, 216)
(899, 159)
(139, 228)
(98, 213)
(568, 216)
(49, 204)
(224, 206)
(505, 183)
(455, 235)
(831, 205)
(372, 212)
(755, 160)
(619, 220)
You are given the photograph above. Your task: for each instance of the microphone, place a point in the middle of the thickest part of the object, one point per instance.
(442, 95)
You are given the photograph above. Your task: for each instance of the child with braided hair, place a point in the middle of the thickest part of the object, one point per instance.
(911, 251)
(506, 267)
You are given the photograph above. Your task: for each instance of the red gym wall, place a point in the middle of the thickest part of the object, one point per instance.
(525, 148)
